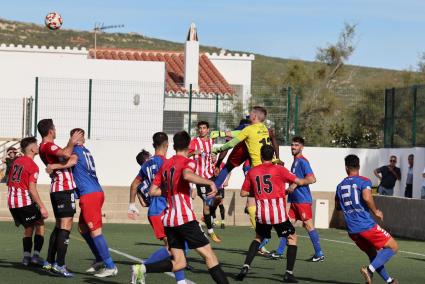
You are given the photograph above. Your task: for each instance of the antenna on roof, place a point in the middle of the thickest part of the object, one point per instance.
(100, 27)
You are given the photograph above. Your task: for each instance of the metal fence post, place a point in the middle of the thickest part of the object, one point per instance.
(36, 107)
(28, 121)
(288, 114)
(392, 117)
(296, 114)
(386, 118)
(89, 112)
(414, 94)
(190, 109)
(216, 111)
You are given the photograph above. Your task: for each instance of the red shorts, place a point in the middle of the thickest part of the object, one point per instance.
(157, 226)
(238, 155)
(375, 237)
(91, 210)
(300, 211)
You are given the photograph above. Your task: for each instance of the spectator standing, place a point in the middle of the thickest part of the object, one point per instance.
(11, 156)
(388, 175)
(409, 180)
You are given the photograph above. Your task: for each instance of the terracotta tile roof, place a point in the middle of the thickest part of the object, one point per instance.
(210, 79)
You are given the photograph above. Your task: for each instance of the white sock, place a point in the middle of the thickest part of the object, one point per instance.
(389, 280)
(182, 281)
(371, 268)
(210, 231)
(36, 253)
(27, 254)
(289, 272)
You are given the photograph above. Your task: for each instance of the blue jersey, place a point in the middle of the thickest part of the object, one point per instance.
(147, 173)
(349, 197)
(85, 172)
(301, 168)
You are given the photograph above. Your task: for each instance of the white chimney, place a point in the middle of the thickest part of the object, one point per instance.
(191, 59)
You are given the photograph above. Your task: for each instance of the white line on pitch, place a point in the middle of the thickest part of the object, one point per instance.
(352, 244)
(141, 261)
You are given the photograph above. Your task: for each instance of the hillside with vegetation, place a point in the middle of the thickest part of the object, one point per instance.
(337, 104)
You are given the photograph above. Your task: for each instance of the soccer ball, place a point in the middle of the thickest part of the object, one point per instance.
(53, 21)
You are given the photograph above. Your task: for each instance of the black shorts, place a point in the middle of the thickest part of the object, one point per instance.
(204, 189)
(63, 203)
(190, 232)
(282, 229)
(26, 216)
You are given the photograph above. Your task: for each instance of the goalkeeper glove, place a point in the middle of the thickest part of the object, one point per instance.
(215, 134)
(132, 211)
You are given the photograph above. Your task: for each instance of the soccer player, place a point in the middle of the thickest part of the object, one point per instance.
(91, 197)
(301, 200)
(266, 182)
(61, 194)
(200, 150)
(24, 202)
(354, 197)
(179, 219)
(157, 204)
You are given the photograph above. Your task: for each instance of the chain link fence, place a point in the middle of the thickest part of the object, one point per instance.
(405, 117)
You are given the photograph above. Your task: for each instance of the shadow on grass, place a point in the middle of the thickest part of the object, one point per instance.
(20, 266)
(416, 258)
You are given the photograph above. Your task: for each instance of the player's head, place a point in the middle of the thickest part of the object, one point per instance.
(258, 114)
(46, 127)
(410, 159)
(203, 128)
(297, 145)
(142, 157)
(29, 146)
(181, 141)
(267, 152)
(352, 164)
(160, 140)
(83, 139)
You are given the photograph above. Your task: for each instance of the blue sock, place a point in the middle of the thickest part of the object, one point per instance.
(381, 271)
(282, 245)
(315, 240)
(263, 243)
(90, 242)
(158, 255)
(383, 256)
(179, 275)
(103, 249)
(221, 177)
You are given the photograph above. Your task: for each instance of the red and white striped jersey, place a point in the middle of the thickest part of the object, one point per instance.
(24, 170)
(176, 189)
(61, 179)
(267, 183)
(204, 164)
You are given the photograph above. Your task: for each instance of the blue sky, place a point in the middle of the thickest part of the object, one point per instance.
(390, 33)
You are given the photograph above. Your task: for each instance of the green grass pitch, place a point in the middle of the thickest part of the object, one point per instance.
(342, 264)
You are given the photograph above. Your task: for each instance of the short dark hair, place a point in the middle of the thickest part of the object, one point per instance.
(244, 121)
(352, 162)
(181, 140)
(27, 141)
(159, 138)
(203, 122)
(142, 157)
(75, 130)
(260, 109)
(267, 152)
(44, 126)
(298, 139)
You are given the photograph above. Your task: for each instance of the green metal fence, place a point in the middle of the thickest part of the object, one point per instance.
(405, 117)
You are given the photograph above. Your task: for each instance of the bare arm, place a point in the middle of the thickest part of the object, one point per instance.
(155, 190)
(244, 193)
(73, 140)
(133, 189)
(72, 161)
(36, 198)
(397, 176)
(376, 173)
(194, 178)
(368, 199)
(274, 142)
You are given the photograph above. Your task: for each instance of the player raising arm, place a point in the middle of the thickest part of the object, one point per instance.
(179, 219)
(354, 197)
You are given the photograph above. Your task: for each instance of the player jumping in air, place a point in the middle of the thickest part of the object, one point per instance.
(24, 202)
(200, 149)
(179, 219)
(301, 201)
(157, 204)
(354, 197)
(61, 195)
(91, 198)
(266, 182)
